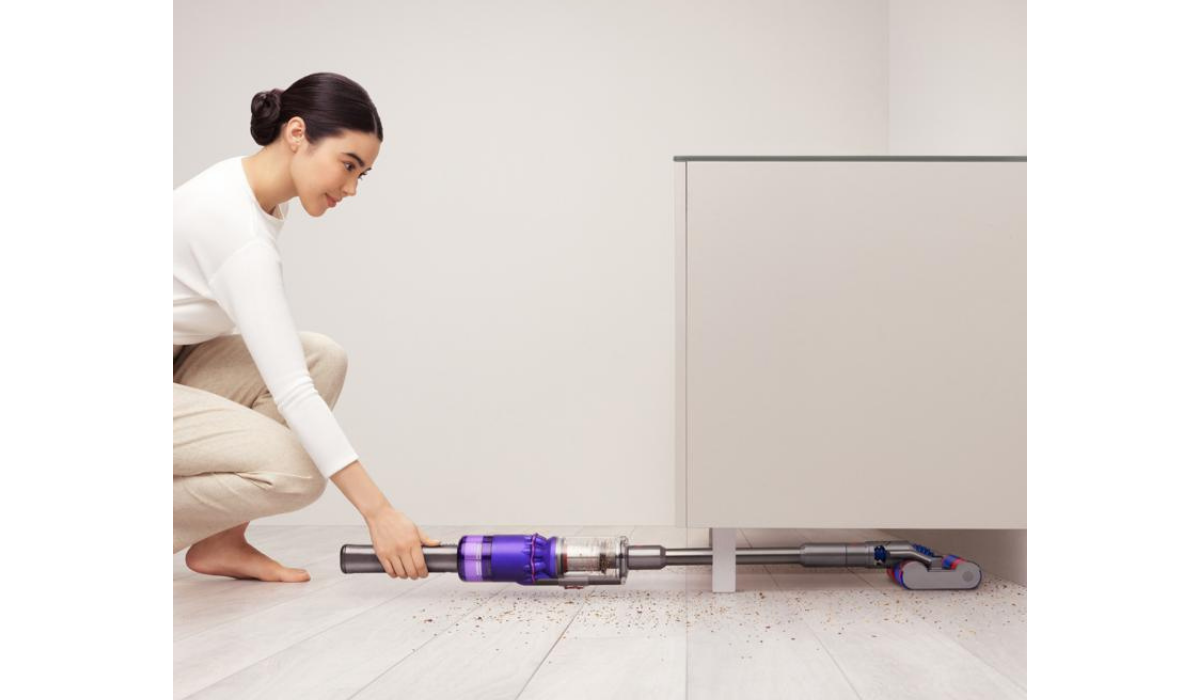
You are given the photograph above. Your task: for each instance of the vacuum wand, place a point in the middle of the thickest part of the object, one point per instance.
(574, 562)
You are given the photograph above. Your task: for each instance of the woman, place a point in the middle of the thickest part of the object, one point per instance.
(254, 430)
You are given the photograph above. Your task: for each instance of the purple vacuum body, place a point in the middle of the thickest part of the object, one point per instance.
(523, 559)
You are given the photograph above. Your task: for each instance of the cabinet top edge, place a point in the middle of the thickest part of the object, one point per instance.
(946, 159)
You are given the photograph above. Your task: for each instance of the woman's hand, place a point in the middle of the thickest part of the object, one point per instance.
(398, 541)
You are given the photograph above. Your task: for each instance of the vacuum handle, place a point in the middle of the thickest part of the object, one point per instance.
(361, 559)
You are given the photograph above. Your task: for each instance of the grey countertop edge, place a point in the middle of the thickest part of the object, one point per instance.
(930, 159)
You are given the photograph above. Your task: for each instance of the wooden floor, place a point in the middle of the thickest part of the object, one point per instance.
(787, 632)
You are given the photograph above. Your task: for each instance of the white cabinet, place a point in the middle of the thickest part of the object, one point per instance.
(851, 342)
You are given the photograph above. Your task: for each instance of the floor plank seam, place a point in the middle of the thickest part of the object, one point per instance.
(935, 631)
(979, 658)
(552, 646)
(315, 634)
(824, 645)
(588, 596)
(259, 611)
(813, 632)
(412, 653)
(984, 661)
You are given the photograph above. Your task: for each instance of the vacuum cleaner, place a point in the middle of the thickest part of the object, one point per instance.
(575, 562)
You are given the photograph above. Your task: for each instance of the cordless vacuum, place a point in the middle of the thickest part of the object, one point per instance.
(575, 562)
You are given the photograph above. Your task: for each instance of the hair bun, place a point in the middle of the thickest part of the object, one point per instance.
(264, 115)
(266, 103)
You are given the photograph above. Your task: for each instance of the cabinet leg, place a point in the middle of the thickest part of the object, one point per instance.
(724, 559)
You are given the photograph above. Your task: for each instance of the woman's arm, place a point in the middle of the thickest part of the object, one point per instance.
(360, 490)
(249, 287)
(396, 538)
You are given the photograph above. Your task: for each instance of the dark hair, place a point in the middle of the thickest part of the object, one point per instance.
(327, 102)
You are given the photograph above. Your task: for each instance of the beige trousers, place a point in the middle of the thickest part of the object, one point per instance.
(235, 457)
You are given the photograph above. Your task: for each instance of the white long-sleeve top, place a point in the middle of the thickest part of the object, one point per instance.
(229, 278)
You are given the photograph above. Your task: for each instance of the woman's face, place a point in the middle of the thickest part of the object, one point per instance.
(326, 172)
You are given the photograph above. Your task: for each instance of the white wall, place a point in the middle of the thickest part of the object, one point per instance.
(956, 77)
(504, 280)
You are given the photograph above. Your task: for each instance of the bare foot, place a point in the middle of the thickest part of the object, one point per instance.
(228, 553)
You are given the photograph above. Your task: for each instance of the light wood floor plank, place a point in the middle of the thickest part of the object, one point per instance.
(268, 626)
(340, 661)
(744, 644)
(875, 637)
(787, 632)
(627, 641)
(205, 602)
(493, 653)
(214, 654)
(990, 621)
